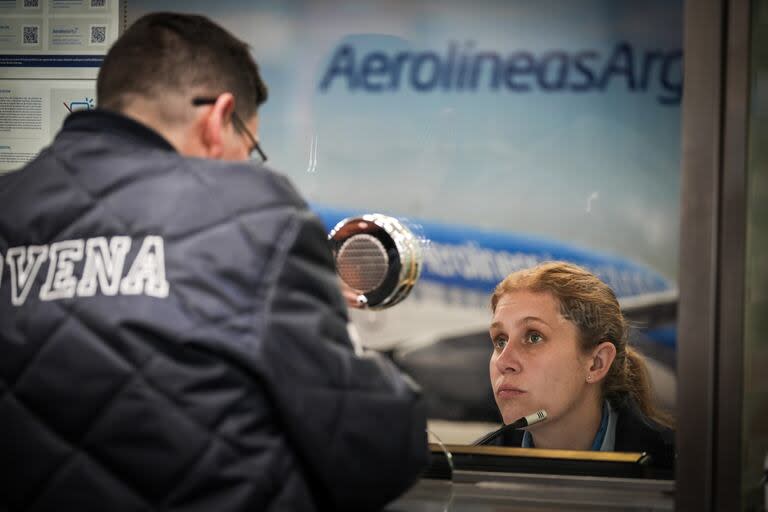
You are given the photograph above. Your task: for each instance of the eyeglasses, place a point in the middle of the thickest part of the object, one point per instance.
(239, 125)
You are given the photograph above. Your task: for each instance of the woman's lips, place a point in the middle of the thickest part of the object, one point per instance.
(509, 392)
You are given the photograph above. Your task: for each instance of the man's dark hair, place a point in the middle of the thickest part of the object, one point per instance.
(165, 52)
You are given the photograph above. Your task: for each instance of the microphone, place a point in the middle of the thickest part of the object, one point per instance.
(525, 421)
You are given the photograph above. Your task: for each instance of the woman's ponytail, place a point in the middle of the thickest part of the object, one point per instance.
(637, 384)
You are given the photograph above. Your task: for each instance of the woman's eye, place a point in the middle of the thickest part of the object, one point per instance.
(534, 338)
(499, 343)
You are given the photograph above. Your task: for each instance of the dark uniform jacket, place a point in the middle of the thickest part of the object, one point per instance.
(634, 433)
(172, 337)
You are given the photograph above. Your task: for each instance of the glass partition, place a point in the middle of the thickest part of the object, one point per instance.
(504, 133)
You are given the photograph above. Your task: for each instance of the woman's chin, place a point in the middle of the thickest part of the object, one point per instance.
(511, 416)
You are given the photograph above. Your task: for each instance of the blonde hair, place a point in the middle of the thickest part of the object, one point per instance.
(589, 303)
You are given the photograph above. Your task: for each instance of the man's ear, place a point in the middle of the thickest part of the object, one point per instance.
(216, 121)
(601, 360)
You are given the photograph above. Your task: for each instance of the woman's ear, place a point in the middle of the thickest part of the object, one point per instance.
(216, 121)
(601, 361)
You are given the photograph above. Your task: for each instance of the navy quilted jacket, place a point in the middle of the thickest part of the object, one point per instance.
(172, 338)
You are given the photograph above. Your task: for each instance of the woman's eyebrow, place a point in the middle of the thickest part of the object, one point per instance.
(533, 319)
(528, 319)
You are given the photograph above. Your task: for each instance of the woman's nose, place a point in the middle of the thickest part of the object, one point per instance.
(509, 360)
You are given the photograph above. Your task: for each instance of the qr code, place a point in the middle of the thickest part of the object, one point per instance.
(30, 34)
(31, 4)
(98, 34)
(98, 3)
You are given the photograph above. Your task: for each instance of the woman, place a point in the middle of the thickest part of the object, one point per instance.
(560, 344)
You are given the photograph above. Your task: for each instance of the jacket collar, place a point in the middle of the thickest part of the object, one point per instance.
(105, 121)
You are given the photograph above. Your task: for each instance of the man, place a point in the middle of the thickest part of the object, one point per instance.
(172, 335)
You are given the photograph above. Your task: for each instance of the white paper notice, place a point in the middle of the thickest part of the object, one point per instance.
(32, 112)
